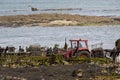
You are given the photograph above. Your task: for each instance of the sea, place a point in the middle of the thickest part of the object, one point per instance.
(82, 7)
(48, 36)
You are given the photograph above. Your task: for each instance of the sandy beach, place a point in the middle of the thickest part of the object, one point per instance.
(56, 20)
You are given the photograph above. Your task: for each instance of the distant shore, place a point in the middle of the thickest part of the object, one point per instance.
(56, 20)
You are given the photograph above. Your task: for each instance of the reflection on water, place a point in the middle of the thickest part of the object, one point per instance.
(48, 36)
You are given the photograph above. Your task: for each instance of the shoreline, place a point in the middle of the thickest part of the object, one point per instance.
(56, 20)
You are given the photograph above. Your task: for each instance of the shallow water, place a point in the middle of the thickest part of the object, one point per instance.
(48, 36)
(89, 7)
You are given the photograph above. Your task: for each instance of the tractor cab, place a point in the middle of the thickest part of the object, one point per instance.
(78, 48)
(79, 44)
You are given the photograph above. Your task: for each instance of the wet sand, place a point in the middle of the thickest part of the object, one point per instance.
(56, 20)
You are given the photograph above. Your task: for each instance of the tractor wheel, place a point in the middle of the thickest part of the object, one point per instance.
(83, 54)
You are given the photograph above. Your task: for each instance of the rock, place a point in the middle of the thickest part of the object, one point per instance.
(117, 71)
(2, 77)
(76, 79)
(23, 78)
(13, 66)
(5, 65)
(15, 78)
(95, 78)
(104, 71)
(77, 73)
(34, 9)
(9, 77)
(66, 63)
(12, 78)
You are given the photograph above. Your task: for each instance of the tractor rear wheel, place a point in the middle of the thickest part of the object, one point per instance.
(83, 54)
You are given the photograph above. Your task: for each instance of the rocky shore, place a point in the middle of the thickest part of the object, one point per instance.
(56, 20)
(82, 71)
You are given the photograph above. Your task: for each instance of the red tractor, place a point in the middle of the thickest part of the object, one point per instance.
(79, 48)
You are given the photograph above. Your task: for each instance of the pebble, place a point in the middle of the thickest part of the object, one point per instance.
(9, 77)
(77, 73)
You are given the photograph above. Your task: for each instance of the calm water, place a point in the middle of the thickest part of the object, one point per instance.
(48, 36)
(89, 7)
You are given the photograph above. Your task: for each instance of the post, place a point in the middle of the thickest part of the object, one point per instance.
(65, 45)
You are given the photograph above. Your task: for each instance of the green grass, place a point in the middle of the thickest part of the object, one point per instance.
(31, 60)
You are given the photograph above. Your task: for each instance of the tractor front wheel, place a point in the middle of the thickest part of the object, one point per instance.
(83, 54)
